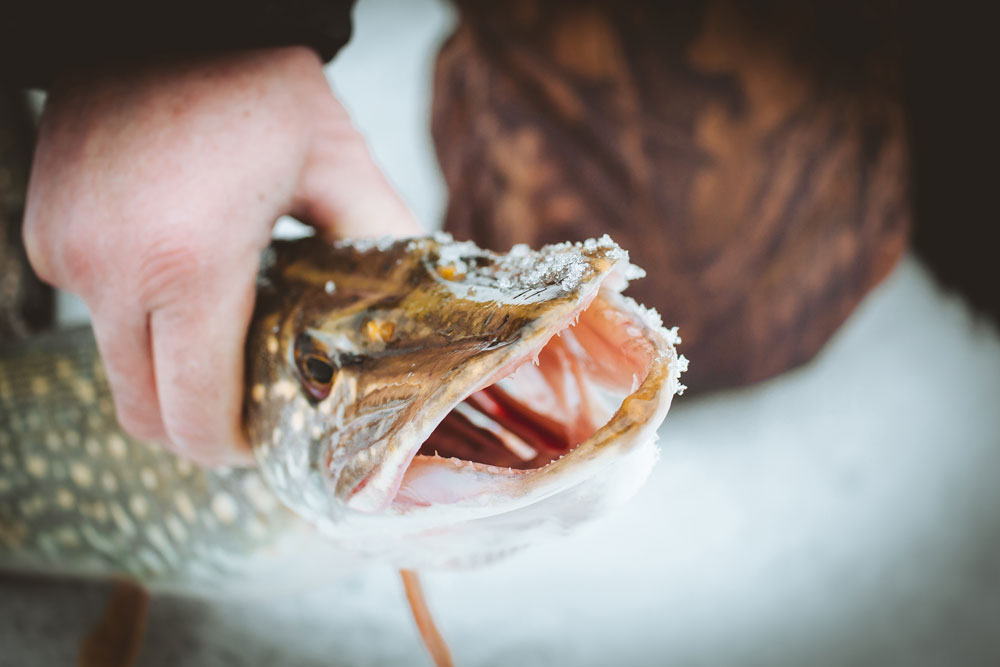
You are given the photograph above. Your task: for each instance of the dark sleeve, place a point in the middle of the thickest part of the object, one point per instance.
(41, 39)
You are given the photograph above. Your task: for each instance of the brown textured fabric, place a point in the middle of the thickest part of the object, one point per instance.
(951, 117)
(752, 159)
(41, 40)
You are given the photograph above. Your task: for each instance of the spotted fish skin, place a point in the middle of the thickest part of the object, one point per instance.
(79, 496)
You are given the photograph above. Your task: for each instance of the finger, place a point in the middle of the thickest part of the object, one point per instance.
(198, 347)
(343, 193)
(123, 341)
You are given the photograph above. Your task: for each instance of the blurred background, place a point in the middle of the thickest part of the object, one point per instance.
(846, 512)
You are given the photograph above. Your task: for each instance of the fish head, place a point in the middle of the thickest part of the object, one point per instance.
(427, 401)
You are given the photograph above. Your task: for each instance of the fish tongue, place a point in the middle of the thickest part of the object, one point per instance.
(543, 433)
(470, 435)
(470, 409)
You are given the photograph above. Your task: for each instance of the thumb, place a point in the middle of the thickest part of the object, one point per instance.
(343, 193)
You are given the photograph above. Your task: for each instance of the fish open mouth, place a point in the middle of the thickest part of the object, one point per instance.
(463, 386)
(550, 404)
(539, 408)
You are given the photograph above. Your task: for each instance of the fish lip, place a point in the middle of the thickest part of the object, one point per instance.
(395, 468)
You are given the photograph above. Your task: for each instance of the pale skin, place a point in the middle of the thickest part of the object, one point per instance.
(153, 192)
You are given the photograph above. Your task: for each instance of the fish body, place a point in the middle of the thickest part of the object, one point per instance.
(78, 496)
(393, 409)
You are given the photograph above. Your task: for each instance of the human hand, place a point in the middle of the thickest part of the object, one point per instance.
(153, 192)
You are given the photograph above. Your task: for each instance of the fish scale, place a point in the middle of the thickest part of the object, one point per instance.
(79, 496)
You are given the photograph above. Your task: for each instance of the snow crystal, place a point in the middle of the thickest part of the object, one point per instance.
(366, 243)
(527, 273)
(520, 250)
(682, 363)
(633, 272)
(672, 336)
(453, 255)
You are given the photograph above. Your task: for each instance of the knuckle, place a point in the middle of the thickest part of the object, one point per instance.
(42, 245)
(77, 257)
(38, 250)
(167, 270)
(59, 243)
(64, 255)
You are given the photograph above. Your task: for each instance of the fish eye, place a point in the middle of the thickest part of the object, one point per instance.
(316, 373)
(315, 369)
(319, 369)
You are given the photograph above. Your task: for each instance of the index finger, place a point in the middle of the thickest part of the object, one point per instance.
(198, 353)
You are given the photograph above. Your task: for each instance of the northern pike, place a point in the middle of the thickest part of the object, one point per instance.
(422, 401)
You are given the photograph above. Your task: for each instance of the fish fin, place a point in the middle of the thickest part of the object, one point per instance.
(433, 640)
(116, 638)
